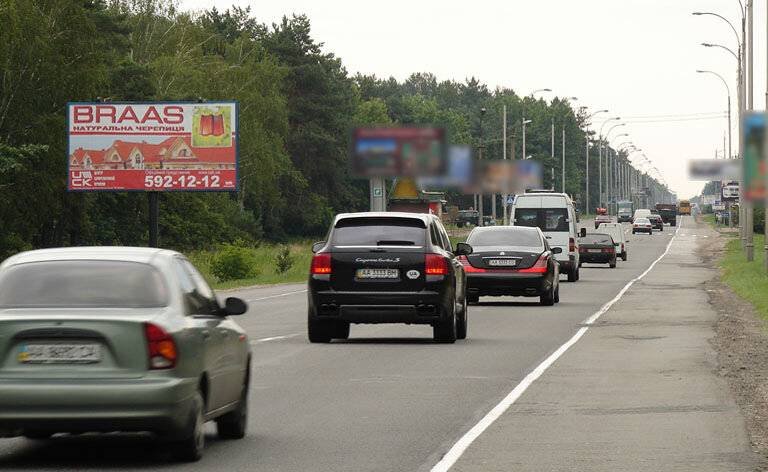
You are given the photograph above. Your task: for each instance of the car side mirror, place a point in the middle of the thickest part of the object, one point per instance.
(234, 306)
(463, 249)
(583, 232)
(318, 245)
(557, 250)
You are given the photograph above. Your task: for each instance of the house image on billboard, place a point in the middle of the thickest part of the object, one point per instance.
(173, 153)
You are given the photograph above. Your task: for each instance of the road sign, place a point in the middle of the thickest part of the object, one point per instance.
(152, 146)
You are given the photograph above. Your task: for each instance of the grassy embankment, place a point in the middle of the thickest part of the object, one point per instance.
(747, 279)
(265, 255)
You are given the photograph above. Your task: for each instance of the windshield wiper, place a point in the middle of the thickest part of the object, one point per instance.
(394, 242)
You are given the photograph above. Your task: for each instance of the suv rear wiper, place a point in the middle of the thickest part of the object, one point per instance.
(394, 242)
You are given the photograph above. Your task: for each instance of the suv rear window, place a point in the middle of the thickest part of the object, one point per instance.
(548, 219)
(381, 231)
(82, 284)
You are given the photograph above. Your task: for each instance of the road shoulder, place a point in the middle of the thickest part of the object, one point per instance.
(640, 391)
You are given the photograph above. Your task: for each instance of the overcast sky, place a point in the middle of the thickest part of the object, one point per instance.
(636, 58)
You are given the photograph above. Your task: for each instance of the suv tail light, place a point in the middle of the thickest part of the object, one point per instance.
(161, 347)
(571, 244)
(435, 264)
(540, 267)
(321, 264)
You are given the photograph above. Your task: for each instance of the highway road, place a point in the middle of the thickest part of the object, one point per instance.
(386, 399)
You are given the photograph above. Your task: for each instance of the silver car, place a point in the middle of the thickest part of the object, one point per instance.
(101, 339)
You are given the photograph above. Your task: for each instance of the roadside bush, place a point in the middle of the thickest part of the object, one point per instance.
(234, 262)
(284, 260)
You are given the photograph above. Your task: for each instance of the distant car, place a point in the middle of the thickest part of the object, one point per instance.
(599, 219)
(656, 221)
(598, 248)
(642, 225)
(511, 260)
(119, 339)
(387, 267)
(467, 218)
(641, 213)
(616, 230)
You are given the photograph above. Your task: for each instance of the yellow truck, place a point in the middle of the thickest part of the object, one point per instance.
(684, 207)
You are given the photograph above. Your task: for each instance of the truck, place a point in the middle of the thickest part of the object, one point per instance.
(668, 213)
(684, 207)
(624, 210)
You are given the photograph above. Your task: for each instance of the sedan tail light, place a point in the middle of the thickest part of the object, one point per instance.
(435, 264)
(468, 267)
(161, 347)
(321, 264)
(540, 267)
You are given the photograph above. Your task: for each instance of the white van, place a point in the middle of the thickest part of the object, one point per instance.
(617, 232)
(641, 213)
(555, 215)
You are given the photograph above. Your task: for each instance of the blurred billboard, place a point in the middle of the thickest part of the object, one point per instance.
(398, 152)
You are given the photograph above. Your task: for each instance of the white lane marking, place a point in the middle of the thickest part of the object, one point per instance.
(458, 449)
(275, 338)
(276, 296)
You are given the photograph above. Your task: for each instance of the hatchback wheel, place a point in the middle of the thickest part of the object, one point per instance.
(624, 256)
(233, 424)
(572, 274)
(612, 264)
(191, 448)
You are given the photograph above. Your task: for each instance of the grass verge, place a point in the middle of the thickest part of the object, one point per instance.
(747, 279)
(265, 254)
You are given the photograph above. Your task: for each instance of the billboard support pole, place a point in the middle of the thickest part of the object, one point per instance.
(378, 194)
(154, 213)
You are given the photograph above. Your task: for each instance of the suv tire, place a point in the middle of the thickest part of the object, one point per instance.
(319, 331)
(445, 330)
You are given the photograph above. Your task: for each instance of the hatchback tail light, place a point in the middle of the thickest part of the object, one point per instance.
(609, 250)
(321, 264)
(161, 347)
(571, 244)
(435, 264)
(540, 267)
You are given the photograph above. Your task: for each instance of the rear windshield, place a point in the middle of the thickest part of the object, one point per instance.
(548, 219)
(505, 237)
(63, 284)
(642, 221)
(597, 239)
(379, 232)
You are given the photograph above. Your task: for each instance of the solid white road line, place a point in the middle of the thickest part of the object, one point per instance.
(453, 455)
(276, 296)
(275, 338)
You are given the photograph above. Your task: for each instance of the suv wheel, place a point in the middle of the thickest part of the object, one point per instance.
(473, 299)
(191, 448)
(319, 331)
(444, 331)
(461, 321)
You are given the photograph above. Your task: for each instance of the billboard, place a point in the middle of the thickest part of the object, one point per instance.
(398, 152)
(714, 169)
(152, 146)
(754, 162)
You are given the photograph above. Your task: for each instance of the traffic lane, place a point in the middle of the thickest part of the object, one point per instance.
(386, 399)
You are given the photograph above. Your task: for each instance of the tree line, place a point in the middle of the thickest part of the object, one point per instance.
(297, 105)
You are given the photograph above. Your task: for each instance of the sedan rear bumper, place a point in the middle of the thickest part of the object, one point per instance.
(511, 284)
(159, 405)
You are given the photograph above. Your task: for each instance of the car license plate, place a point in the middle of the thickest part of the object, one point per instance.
(378, 273)
(595, 250)
(59, 353)
(502, 262)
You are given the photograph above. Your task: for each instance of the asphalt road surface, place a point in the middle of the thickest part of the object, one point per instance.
(386, 399)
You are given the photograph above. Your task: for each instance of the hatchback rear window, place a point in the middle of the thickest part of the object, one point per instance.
(505, 237)
(82, 284)
(597, 239)
(379, 232)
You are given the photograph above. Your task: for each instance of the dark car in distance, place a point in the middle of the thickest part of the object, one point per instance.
(514, 261)
(602, 219)
(387, 267)
(597, 248)
(656, 221)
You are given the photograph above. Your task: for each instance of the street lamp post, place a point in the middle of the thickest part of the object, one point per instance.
(586, 136)
(480, 158)
(562, 166)
(600, 159)
(728, 91)
(528, 121)
(607, 161)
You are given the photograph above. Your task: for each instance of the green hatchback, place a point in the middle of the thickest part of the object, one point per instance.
(102, 339)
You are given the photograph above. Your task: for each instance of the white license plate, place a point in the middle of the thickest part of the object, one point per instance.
(59, 353)
(378, 273)
(594, 250)
(502, 262)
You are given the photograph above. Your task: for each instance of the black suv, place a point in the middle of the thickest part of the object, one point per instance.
(387, 268)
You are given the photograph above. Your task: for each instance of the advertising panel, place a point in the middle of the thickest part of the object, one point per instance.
(153, 146)
(754, 163)
(398, 152)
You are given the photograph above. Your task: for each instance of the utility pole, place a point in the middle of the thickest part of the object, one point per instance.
(563, 166)
(480, 158)
(505, 196)
(552, 151)
(750, 93)
(765, 159)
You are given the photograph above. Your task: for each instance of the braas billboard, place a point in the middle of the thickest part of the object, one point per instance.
(152, 146)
